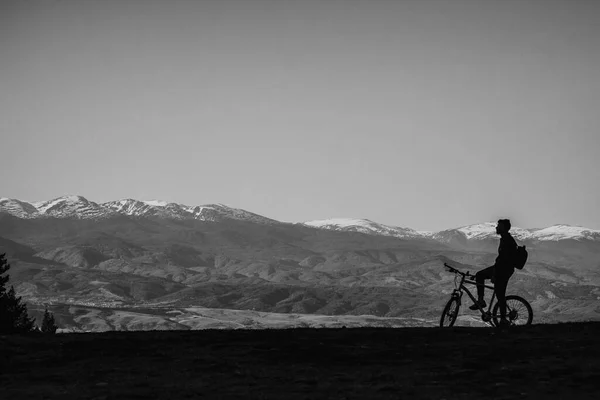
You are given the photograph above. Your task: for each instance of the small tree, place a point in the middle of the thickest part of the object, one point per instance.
(13, 313)
(48, 324)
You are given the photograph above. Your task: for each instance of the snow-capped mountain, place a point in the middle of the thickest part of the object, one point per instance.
(216, 212)
(61, 207)
(562, 232)
(487, 230)
(18, 208)
(163, 209)
(481, 231)
(78, 207)
(72, 207)
(137, 208)
(363, 226)
(475, 232)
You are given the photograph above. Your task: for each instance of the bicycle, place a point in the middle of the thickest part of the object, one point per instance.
(518, 310)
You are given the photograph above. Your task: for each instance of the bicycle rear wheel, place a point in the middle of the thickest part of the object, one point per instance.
(450, 313)
(518, 311)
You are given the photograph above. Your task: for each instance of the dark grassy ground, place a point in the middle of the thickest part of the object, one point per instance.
(540, 361)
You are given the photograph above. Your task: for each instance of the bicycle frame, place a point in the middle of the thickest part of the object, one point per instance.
(463, 287)
(458, 292)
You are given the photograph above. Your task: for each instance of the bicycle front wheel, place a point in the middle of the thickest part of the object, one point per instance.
(518, 311)
(450, 313)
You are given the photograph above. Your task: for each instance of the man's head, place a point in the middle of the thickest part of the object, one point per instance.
(503, 226)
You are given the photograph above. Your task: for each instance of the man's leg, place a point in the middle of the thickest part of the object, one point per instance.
(480, 278)
(500, 286)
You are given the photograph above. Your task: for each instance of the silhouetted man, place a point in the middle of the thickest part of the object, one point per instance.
(500, 272)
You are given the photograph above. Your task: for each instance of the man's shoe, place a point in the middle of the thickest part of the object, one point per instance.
(478, 304)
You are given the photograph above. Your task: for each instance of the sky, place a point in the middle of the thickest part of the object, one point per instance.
(422, 114)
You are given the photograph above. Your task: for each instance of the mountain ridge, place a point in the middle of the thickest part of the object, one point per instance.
(78, 207)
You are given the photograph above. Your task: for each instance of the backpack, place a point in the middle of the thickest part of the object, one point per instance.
(520, 257)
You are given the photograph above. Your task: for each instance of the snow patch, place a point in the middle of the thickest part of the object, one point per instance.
(426, 233)
(362, 226)
(340, 222)
(156, 203)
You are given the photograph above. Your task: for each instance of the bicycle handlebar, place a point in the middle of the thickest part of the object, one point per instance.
(465, 274)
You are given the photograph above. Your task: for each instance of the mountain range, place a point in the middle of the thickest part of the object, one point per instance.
(78, 207)
(131, 264)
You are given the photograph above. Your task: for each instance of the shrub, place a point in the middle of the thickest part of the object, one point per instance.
(13, 313)
(48, 324)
